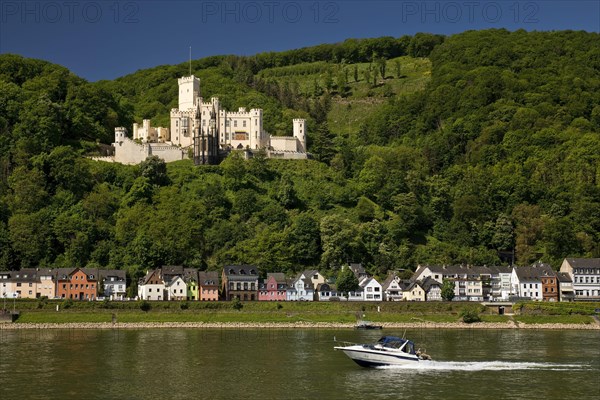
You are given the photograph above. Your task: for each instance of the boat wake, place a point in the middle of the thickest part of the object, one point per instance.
(484, 366)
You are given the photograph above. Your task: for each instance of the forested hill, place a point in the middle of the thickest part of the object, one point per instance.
(428, 149)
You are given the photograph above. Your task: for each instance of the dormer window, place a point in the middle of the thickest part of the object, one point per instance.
(231, 272)
(252, 272)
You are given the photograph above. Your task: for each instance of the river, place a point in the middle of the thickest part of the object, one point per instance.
(294, 364)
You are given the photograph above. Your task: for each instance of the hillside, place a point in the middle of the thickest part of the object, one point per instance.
(465, 149)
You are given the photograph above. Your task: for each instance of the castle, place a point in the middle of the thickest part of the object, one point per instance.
(206, 132)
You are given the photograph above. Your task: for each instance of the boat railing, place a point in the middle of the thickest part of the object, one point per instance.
(343, 342)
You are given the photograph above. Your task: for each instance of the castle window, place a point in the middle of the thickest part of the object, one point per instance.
(244, 124)
(235, 124)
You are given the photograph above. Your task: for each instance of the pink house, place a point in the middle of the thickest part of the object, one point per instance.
(273, 288)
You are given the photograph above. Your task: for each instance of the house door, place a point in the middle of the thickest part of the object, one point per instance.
(81, 297)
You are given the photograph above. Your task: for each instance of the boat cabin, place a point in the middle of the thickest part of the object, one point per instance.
(393, 342)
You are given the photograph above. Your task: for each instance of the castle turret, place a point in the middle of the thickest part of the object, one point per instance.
(135, 130)
(300, 133)
(189, 91)
(120, 134)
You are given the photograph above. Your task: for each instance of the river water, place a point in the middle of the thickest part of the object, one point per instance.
(294, 364)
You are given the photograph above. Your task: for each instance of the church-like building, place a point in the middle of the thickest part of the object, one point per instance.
(204, 131)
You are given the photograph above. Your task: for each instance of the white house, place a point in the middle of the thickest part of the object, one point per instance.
(301, 288)
(432, 288)
(176, 289)
(371, 289)
(585, 273)
(114, 284)
(526, 283)
(392, 288)
(501, 282)
(325, 292)
(152, 286)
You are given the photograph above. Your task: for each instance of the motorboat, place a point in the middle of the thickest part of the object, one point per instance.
(366, 325)
(389, 350)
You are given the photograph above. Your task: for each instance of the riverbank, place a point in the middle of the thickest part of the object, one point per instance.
(294, 325)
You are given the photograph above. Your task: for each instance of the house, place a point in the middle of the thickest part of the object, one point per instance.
(472, 283)
(113, 283)
(327, 292)
(208, 285)
(46, 285)
(392, 288)
(77, 284)
(273, 288)
(565, 287)
(527, 282)
(414, 292)
(500, 282)
(24, 283)
(152, 286)
(176, 288)
(302, 288)
(432, 288)
(550, 289)
(315, 276)
(585, 274)
(6, 285)
(190, 277)
(371, 289)
(358, 270)
(240, 281)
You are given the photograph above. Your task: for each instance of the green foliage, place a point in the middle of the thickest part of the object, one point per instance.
(145, 305)
(66, 304)
(470, 316)
(447, 290)
(236, 304)
(346, 281)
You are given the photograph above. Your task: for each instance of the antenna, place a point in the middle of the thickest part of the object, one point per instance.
(190, 60)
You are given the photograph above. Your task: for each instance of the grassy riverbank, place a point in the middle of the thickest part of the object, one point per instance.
(339, 313)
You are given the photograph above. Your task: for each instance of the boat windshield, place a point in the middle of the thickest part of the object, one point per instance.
(397, 343)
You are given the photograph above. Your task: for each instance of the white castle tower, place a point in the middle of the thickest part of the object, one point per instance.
(120, 134)
(300, 133)
(183, 121)
(189, 91)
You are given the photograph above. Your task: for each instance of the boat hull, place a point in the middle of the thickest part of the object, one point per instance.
(366, 357)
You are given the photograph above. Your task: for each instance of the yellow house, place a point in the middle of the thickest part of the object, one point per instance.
(414, 292)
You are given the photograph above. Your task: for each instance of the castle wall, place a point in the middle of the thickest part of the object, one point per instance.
(129, 152)
(284, 143)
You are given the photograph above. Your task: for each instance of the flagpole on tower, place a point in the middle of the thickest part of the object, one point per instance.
(190, 60)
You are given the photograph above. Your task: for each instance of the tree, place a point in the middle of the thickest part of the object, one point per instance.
(155, 170)
(448, 290)
(398, 67)
(381, 65)
(346, 281)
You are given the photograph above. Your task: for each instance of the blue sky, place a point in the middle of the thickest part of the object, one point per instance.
(105, 39)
